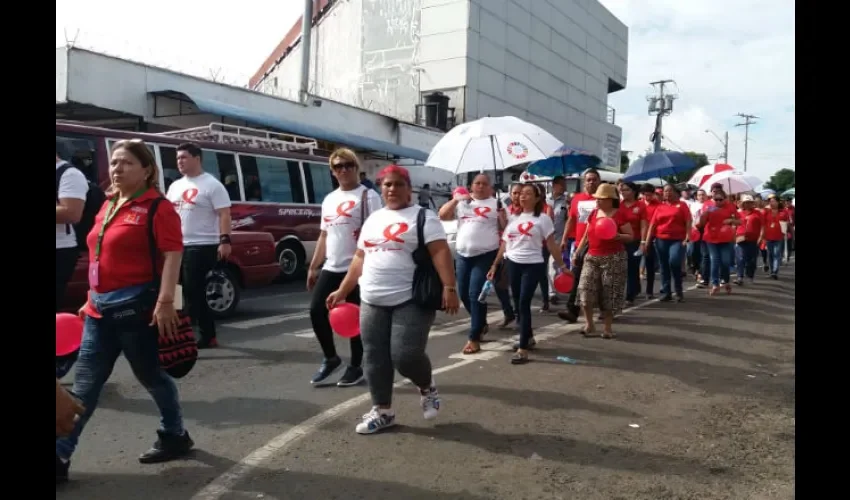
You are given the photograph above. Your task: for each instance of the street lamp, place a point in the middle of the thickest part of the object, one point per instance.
(724, 142)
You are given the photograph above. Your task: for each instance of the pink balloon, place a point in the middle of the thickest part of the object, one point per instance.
(345, 320)
(69, 333)
(606, 228)
(563, 282)
(460, 191)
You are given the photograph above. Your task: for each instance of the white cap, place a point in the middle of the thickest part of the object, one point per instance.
(745, 198)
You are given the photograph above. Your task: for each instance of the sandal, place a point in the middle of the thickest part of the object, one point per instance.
(587, 334)
(471, 347)
(609, 336)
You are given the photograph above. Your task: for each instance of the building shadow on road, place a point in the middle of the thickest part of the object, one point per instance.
(560, 448)
(539, 400)
(224, 413)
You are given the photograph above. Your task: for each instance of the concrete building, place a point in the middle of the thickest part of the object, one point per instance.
(551, 62)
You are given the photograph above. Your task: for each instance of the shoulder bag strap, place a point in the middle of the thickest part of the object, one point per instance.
(152, 237)
(59, 173)
(420, 227)
(364, 199)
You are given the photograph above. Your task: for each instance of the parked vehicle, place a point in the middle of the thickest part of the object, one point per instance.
(275, 182)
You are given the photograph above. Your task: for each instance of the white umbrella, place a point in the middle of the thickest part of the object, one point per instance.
(733, 182)
(493, 143)
(707, 171)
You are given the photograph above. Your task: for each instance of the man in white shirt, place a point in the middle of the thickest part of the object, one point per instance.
(204, 207)
(71, 190)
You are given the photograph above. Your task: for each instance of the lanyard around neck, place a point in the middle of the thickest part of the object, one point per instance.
(112, 209)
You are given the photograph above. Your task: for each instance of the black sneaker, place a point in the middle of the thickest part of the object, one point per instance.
(61, 470)
(167, 447)
(353, 375)
(666, 298)
(329, 366)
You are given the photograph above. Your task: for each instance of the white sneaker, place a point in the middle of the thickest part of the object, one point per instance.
(430, 401)
(376, 420)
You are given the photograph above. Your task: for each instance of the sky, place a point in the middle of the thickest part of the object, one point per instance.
(726, 57)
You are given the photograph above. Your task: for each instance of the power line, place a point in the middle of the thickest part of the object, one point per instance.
(748, 120)
(660, 105)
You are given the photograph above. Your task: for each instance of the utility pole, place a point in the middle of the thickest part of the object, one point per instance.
(748, 120)
(724, 141)
(660, 105)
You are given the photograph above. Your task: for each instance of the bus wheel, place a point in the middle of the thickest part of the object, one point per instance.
(291, 257)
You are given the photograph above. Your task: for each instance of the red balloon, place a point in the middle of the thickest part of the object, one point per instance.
(345, 320)
(563, 282)
(460, 191)
(69, 333)
(606, 228)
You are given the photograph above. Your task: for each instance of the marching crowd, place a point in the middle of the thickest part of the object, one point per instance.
(391, 257)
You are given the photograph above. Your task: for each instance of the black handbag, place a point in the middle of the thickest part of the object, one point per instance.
(427, 286)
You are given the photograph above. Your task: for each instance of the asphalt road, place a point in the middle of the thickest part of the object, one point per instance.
(262, 431)
(238, 397)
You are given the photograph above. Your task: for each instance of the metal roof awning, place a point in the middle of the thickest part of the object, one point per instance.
(215, 107)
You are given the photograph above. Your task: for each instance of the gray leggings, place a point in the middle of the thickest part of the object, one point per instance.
(395, 338)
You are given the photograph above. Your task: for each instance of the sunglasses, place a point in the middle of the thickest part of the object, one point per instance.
(339, 167)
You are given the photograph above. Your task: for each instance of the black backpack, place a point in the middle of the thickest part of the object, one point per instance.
(95, 199)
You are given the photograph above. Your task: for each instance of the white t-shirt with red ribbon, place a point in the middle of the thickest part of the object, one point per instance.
(477, 227)
(198, 200)
(525, 237)
(341, 220)
(388, 240)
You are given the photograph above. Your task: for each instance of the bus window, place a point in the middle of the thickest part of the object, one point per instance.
(170, 173)
(319, 181)
(271, 179)
(220, 165)
(79, 151)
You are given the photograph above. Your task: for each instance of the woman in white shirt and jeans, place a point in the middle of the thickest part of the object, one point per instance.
(524, 235)
(479, 220)
(393, 328)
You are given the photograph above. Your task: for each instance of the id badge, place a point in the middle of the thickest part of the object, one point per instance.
(94, 274)
(772, 225)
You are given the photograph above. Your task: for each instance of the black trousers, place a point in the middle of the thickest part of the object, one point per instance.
(66, 262)
(198, 261)
(328, 282)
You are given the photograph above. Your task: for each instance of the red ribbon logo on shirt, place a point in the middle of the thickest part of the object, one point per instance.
(525, 228)
(189, 196)
(482, 211)
(342, 210)
(392, 233)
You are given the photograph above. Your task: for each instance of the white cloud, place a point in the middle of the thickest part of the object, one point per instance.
(727, 57)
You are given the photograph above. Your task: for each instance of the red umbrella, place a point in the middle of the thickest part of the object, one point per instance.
(702, 175)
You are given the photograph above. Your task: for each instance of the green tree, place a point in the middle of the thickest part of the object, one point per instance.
(700, 159)
(781, 180)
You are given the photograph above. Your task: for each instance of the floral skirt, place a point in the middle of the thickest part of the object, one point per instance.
(603, 282)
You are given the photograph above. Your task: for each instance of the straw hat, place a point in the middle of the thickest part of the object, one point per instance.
(606, 191)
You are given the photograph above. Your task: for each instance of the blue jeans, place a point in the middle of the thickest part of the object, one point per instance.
(747, 254)
(705, 262)
(721, 261)
(101, 347)
(471, 275)
(670, 255)
(632, 271)
(524, 281)
(774, 255)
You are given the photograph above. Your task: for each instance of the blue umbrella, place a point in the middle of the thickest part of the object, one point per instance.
(564, 161)
(764, 193)
(659, 164)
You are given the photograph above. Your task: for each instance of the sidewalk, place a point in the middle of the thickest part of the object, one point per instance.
(692, 401)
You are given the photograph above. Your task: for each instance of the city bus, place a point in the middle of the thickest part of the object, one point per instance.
(276, 181)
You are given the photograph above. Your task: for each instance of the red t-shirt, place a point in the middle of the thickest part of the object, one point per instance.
(715, 230)
(634, 214)
(581, 207)
(772, 228)
(599, 247)
(650, 207)
(750, 229)
(125, 256)
(670, 220)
